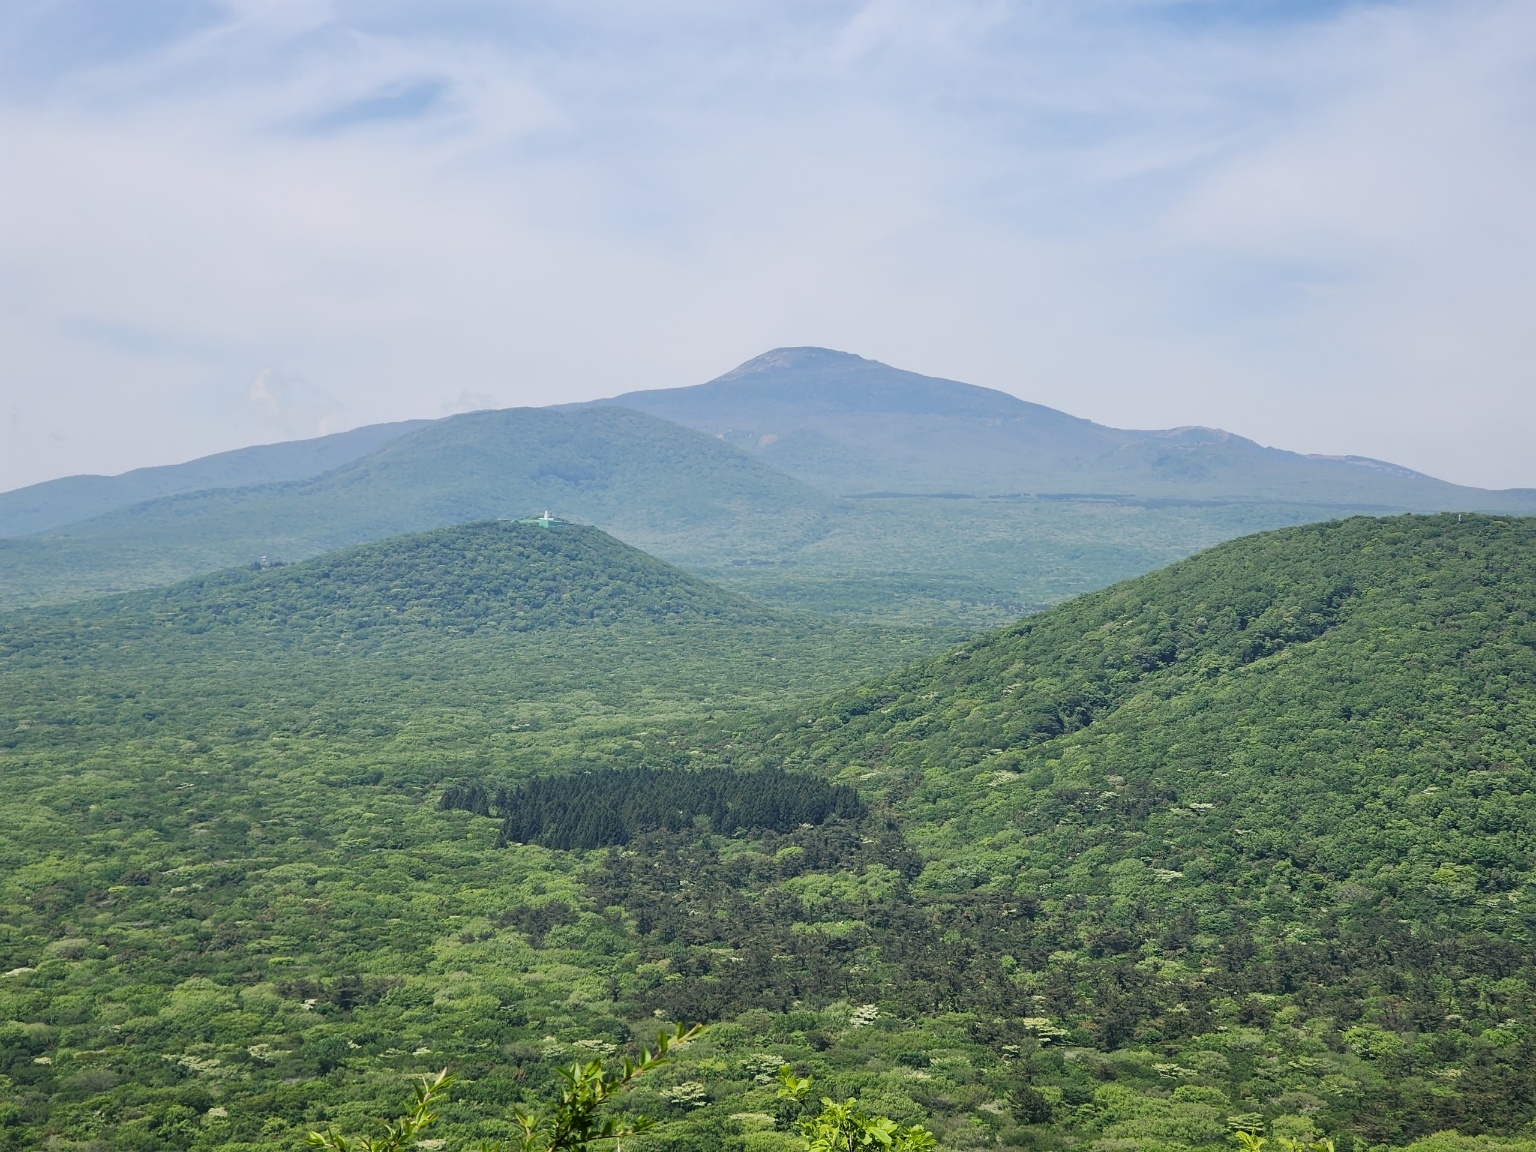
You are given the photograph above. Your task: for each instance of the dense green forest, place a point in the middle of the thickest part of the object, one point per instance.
(1244, 844)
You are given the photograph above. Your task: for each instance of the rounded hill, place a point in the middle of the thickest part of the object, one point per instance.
(501, 576)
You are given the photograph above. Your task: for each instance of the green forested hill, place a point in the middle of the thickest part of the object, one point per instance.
(220, 814)
(499, 576)
(433, 634)
(1242, 844)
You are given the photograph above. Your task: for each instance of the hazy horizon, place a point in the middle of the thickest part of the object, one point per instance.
(232, 223)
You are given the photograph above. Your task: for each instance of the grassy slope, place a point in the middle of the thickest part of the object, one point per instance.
(1250, 835)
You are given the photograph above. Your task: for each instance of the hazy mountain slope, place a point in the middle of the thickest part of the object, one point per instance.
(680, 494)
(54, 503)
(652, 481)
(857, 426)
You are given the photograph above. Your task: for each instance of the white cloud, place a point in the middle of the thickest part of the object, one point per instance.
(287, 403)
(1309, 230)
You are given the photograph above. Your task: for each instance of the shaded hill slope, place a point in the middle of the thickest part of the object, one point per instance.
(647, 478)
(54, 503)
(853, 425)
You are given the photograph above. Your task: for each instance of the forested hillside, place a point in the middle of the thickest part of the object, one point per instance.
(499, 576)
(1278, 796)
(1244, 844)
(229, 788)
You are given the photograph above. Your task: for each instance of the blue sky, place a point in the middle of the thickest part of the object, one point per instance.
(225, 223)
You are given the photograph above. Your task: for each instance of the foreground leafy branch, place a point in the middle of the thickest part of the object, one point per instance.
(1252, 1142)
(847, 1127)
(573, 1122)
(570, 1125)
(397, 1133)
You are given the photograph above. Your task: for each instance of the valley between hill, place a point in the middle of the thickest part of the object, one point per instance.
(1245, 843)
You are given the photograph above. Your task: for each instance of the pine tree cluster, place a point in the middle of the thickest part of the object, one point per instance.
(600, 810)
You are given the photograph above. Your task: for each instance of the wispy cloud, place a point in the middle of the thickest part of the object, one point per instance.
(1303, 221)
(399, 100)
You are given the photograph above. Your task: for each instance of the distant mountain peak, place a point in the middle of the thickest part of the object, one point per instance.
(799, 357)
(852, 425)
(1199, 434)
(788, 388)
